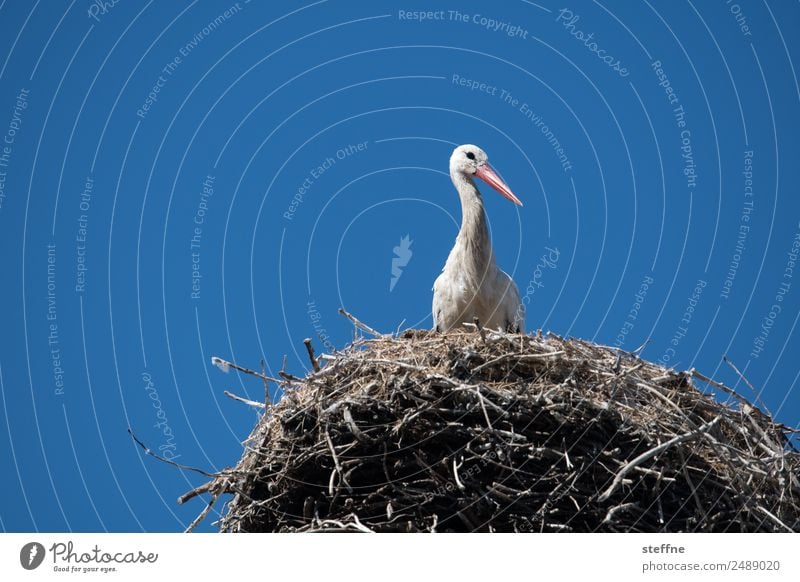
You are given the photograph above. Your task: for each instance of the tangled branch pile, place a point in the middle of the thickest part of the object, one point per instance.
(488, 431)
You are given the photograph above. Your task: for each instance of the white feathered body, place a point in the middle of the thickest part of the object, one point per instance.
(462, 295)
(471, 285)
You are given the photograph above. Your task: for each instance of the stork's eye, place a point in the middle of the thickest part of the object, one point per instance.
(470, 155)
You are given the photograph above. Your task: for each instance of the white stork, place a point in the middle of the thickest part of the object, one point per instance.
(471, 285)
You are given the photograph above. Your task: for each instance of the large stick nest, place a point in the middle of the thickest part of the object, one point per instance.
(488, 431)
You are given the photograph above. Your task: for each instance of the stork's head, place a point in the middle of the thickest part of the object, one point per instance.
(471, 160)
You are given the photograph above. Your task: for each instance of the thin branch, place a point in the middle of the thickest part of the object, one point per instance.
(252, 403)
(455, 474)
(748, 384)
(204, 488)
(518, 358)
(359, 324)
(609, 518)
(336, 463)
(652, 453)
(202, 515)
(483, 407)
(480, 329)
(638, 350)
(690, 482)
(357, 432)
(398, 363)
(311, 356)
(289, 377)
(774, 518)
(224, 365)
(711, 382)
(266, 385)
(160, 458)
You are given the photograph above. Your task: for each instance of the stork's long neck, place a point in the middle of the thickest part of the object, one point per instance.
(473, 240)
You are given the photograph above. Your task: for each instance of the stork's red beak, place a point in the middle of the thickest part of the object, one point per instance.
(488, 175)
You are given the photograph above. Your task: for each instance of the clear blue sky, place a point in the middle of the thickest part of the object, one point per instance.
(186, 179)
